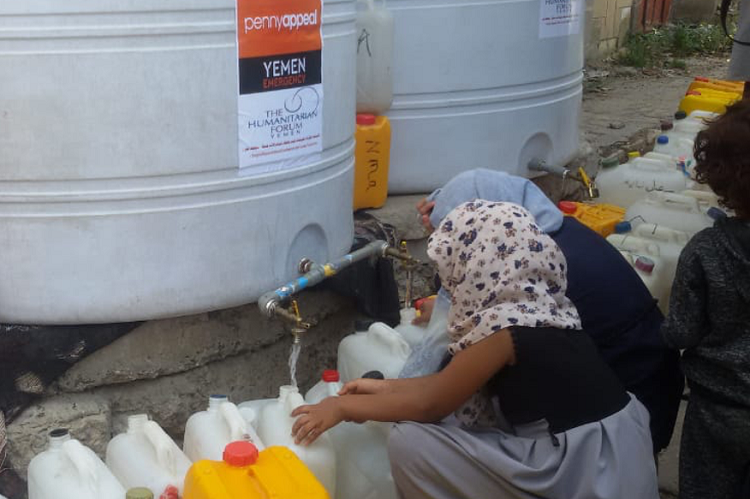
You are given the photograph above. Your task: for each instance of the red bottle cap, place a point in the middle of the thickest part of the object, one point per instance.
(366, 119)
(240, 454)
(568, 207)
(330, 376)
(644, 264)
(701, 78)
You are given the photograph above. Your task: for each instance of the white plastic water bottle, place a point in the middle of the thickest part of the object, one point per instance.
(208, 432)
(374, 57)
(275, 428)
(328, 386)
(380, 348)
(68, 469)
(145, 456)
(363, 470)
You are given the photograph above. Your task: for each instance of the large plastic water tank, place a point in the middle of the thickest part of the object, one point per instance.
(480, 85)
(120, 193)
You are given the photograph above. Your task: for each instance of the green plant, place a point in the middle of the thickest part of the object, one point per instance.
(639, 52)
(668, 46)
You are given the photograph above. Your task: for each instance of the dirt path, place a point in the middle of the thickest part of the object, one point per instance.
(617, 105)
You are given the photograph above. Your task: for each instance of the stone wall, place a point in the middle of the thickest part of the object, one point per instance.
(608, 23)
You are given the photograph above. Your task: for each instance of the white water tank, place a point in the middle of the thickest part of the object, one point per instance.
(120, 193)
(488, 84)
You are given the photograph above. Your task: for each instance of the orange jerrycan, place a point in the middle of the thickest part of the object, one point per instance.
(599, 217)
(714, 84)
(372, 154)
(705, 99)
(245, 473)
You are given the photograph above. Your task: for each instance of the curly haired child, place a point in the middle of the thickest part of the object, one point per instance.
(709, 317)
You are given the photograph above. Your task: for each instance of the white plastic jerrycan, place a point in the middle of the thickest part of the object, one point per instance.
(675, 211)
(275, 428)
(68, 469)
(362, 466)
(661, 244)
(145, 456)
(413, 334)
(252, 410)
(374, 57)
(674, 145)
(625, 184)
(328, 386)
(706, 198)
(679, 147)
(651, 270)
(380, 348)
(208, 432)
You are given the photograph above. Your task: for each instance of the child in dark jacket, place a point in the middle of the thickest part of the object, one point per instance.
(709, 317)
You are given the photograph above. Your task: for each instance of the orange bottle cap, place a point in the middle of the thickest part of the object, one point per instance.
(366, 119)
(240, 454)
(568, 207)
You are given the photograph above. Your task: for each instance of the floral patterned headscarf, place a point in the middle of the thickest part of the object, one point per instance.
(501, 270)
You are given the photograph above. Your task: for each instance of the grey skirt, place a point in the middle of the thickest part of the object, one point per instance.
(608, 459)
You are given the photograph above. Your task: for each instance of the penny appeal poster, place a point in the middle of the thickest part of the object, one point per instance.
(280, 82)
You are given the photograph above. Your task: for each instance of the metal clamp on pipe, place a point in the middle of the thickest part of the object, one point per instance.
(271, 303)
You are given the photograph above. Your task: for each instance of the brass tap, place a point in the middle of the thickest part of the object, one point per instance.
(296, 325)
(589, 184)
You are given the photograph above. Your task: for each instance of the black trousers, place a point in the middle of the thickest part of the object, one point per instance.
(714, 451)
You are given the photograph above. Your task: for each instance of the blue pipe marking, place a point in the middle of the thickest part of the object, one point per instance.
(302, 282)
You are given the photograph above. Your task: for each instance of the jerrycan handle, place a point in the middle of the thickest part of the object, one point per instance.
(235, 421)
(292, 401)
(390, 337)
(653, 231)
(685, 203)
(162, 444)
(82, 460)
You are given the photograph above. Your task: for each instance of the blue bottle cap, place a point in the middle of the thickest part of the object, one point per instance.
(662, 139)
(716, 213)
(623, 227)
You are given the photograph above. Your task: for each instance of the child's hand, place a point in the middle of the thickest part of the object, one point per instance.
(364, 386)
(424, 208)
(313, 420)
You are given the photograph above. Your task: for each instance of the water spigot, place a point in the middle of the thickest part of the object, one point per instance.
(565, 173)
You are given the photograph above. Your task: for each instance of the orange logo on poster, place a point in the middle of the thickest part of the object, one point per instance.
(272, 27)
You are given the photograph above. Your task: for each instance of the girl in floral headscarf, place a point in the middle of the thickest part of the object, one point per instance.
(518, 360)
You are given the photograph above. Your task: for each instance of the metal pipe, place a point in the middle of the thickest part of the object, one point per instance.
(542, 166)
(270, 303)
